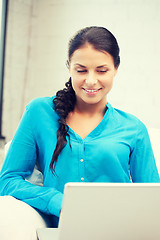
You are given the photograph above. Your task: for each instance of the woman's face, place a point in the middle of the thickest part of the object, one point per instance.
(92, 74)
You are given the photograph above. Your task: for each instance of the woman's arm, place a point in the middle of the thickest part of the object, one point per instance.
(19, 164)
(142, 162)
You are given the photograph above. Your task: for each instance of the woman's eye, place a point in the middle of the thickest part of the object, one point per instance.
(102, 71)
(81, 71)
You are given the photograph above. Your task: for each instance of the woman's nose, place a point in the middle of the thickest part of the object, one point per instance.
(91, 79)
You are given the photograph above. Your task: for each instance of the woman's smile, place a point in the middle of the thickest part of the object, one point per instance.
(91, 92)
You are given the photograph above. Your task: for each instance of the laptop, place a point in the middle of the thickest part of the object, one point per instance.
(108, 211)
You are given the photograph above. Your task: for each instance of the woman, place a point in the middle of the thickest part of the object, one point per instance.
(77, 135)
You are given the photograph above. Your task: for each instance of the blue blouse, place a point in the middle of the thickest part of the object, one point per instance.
(117, 150)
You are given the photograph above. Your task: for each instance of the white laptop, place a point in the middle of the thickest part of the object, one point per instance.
(108, 211)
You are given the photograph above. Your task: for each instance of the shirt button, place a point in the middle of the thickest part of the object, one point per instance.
(82, 179)
(81, 160)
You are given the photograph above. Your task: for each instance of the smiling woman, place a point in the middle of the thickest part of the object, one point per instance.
(77, 136)
(92, 74)
(93, 60)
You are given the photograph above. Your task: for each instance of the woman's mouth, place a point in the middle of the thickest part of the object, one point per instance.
(91, 91)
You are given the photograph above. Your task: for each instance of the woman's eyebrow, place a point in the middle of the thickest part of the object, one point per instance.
(102, 66)
(80, 65)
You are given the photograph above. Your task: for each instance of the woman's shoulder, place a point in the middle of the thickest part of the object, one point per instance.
(41, 107)
(126, 118)
(40, 102)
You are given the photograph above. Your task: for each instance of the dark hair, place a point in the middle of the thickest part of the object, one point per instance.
(100, 38)
(64, 102)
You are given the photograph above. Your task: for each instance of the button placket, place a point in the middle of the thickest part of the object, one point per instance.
(81, 162)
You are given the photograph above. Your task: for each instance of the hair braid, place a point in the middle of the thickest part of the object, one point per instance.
(64, 103)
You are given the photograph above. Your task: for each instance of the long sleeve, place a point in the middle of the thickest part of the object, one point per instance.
(142, 162)
(19, 164)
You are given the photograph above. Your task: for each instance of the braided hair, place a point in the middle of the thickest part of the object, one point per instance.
(64, 102)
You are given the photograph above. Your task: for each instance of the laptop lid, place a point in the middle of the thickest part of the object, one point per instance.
(123, 211)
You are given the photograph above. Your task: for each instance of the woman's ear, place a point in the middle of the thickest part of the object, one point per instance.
(67, 64)
(116, 70)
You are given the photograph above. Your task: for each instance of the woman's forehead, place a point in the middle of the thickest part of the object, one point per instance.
(87, 55)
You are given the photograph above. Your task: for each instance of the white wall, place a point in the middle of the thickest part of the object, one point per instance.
(0, 14)
(37, 39)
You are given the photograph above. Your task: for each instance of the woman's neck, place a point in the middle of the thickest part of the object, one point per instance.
(90, 109)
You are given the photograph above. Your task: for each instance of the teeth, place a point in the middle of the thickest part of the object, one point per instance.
(91, 90)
